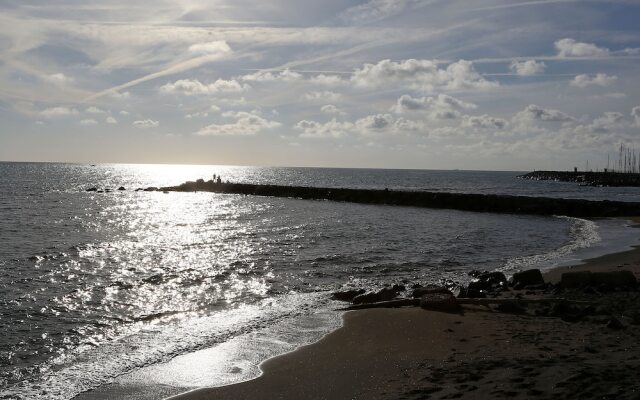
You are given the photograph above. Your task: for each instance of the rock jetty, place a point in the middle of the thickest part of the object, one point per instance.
(457, 201)
(588, 178)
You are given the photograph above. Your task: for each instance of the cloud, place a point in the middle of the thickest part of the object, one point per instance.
(635, 113)
(440, 107)
(585, 80)
(533, 112)
(571, 48)
(331, 109)
(208, 48)
(484, 122)
(285, 75)
(195, 87)
(246, 124)
(175, 68)
(607, 122)
(375, 122)
(88, 122)
(146, 123)
(370, 125)
(111, 120)
(527, 68)
(317, 130)
(326, 95)
(421, 75)
(59, 79)
(55, 112)
(94, 110)
(327, 80)
(374, 10)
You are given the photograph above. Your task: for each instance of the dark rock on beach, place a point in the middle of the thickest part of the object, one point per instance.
(430, 289)
(531, 277)
(384, 294)
(443, 302)
(92, 189)
(484, 283)
(122, 188)
(346, 295)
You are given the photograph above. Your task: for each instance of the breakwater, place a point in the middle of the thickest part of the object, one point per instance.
(589, 178)
(457, 201)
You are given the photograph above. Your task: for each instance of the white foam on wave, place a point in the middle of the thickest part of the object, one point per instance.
(583, 233)
(263, 327)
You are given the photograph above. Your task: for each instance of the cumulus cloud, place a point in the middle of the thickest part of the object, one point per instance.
(266, 76)
(331, 109)
(111, 120)
(440, 107)
(421, 75)
(375, 122)
(94, 110)
(54, 112)
(88, 122)
(317, 130)
(607, 122)
(195, 87)
(527, 68)
(208, 48)
(370, 125)
(246, 124)
(572, 48)
(326, 80)
(146, 123)
(325, 95)
(533, 112)
(584, 80)
(59, 79)
(484, 122)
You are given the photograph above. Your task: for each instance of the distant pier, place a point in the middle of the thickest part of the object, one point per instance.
(457, 201)
(589, 178)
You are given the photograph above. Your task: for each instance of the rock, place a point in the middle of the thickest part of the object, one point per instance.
(384, 294)
(530, 277)
(615, 324)
(614, 279)
(575, 280)
(122, 188)
(151, 189)
(443, 302)
(399, 287)
(92, 189)
(512, 307)
(486, 282)
(429, 289)
(470, 292)
(346, 295)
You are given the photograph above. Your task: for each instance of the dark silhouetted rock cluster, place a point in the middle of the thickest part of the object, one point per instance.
(589, 178)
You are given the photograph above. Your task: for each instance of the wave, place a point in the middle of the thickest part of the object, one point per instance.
(583, 233)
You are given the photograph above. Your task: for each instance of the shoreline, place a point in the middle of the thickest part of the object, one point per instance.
(393, 353)
(354, 324)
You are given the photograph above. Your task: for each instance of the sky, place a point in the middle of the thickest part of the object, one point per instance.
(435, 84)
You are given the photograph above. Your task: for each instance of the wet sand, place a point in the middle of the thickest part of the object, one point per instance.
(411, 353)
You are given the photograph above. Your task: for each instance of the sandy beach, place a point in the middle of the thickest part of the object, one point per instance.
(411, 353)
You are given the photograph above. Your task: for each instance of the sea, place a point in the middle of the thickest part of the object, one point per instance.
(96, 288)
